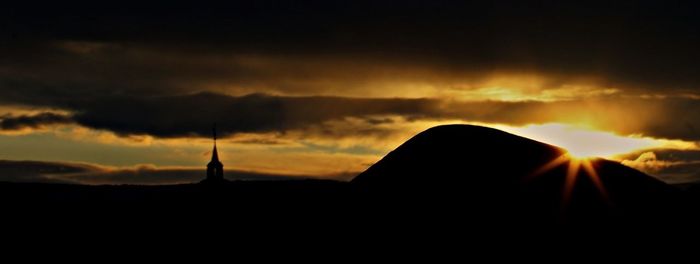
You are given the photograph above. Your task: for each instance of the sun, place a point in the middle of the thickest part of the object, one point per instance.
(583, 152)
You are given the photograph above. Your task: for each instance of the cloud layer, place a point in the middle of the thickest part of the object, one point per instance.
(155, 71)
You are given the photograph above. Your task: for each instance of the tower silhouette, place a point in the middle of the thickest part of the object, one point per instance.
(215, 169)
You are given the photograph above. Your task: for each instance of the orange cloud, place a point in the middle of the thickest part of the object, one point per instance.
(647, 162)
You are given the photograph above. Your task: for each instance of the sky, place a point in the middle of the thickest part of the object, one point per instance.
(115, 93)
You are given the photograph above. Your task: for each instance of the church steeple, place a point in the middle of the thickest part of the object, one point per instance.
(215, 169)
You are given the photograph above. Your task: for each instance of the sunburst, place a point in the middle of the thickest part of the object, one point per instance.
(574, 167)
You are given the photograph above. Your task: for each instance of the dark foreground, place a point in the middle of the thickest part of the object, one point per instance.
(335, 209)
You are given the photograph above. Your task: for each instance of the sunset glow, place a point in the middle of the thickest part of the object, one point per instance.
(582, 142)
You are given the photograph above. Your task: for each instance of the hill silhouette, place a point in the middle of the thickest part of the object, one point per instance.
(496, 176)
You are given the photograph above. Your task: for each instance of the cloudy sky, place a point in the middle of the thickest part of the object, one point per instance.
(120, 93)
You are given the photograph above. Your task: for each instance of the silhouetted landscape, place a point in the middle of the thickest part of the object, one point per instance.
(447, 175)
(412, 120)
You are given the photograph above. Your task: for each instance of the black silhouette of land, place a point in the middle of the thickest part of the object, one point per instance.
(447, 176)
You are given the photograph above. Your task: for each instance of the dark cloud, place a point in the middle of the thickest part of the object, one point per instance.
(75, 173)
(648, 44)
(193, 115)
(33, 121)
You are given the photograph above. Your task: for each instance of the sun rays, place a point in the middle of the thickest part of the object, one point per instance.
(574, 168)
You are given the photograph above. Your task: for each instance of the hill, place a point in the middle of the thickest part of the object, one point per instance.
(496, 176)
